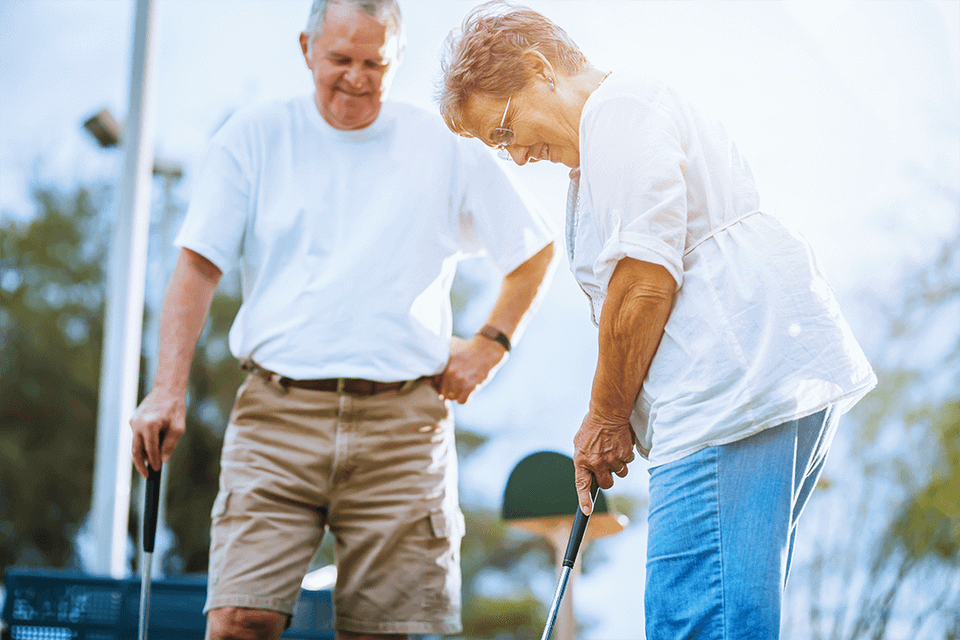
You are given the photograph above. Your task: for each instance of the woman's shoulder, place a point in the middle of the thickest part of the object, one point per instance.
(633, 93)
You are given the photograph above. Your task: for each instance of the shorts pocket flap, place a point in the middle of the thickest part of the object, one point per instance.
(446, 525)
(220, 504)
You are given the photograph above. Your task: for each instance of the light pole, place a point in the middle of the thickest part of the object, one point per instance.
(105, 129)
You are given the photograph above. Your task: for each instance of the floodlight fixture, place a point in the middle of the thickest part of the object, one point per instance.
(104, 127)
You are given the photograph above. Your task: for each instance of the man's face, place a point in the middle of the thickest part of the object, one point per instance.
(351, 63)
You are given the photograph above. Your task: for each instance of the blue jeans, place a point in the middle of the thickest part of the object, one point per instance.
(722, 523)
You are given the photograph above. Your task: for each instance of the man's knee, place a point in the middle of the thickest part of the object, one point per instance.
(232, 623)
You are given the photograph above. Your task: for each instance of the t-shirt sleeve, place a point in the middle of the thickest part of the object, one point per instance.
(496, 212)
(634, 161)
(216, 218)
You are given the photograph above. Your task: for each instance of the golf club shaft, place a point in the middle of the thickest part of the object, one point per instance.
(557, 599)
(145, 572)
(151, 508)
(577, 532)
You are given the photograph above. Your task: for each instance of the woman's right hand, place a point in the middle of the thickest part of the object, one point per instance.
(157, 424)
(602, 448)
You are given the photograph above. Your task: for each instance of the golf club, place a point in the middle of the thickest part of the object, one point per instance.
(569, 558)
(151, 505)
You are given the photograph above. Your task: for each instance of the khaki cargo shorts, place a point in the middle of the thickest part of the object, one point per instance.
(380, 472)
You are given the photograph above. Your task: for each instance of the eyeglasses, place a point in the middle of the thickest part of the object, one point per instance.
(503, 137)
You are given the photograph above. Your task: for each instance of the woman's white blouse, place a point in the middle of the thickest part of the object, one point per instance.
(756, 337)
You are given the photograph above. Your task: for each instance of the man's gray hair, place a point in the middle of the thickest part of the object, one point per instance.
(387, 12)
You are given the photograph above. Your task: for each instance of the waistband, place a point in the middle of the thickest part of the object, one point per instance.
(713, 232)
(349, 386)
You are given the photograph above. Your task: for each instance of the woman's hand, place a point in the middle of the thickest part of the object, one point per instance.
(603, 447)
(635, 312)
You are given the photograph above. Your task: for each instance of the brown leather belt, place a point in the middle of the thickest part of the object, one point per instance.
(351, 386)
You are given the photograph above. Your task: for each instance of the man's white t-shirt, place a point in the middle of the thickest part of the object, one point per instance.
(347, 241)
(755, 337)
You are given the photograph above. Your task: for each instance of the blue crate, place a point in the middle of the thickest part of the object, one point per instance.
(44, 604)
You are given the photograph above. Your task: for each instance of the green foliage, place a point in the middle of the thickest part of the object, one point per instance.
(51, 325)
(878, 573)
(491, 550)
(50, 336)
(929, 523)
(518, 617)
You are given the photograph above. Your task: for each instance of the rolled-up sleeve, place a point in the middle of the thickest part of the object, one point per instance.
(633, 160)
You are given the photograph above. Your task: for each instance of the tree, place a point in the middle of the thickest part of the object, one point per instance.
(873, 575)
(51, 325)
(51, 322)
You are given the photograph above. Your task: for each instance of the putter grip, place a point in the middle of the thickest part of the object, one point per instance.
(579, 529)
(151, 506)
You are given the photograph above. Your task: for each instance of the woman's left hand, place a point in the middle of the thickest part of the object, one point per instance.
(603, 447)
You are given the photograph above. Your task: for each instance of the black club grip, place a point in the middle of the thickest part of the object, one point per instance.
(579, 528)
(151, 507)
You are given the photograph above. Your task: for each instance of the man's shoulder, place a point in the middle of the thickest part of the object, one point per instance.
(269, 115)
(411, 116)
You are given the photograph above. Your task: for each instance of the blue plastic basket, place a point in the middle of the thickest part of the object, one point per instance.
(68, 605)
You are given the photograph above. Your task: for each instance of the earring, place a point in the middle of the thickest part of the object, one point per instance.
(551, 84)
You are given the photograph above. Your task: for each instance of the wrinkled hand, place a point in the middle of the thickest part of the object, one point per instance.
(470, 364)
(160, 412)
(602, 447)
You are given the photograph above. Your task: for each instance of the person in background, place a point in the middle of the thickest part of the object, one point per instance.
(346, 214)
(723, 356)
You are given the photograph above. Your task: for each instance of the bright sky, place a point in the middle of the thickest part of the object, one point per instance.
(849, 113)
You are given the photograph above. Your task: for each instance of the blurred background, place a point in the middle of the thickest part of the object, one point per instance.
(849, 113)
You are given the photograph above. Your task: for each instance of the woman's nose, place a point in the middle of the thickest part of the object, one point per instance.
(518, 153)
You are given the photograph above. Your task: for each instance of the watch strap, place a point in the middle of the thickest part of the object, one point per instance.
(488, 331)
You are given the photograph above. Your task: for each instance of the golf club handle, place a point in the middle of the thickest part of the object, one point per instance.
(151, 507)
(579, 528)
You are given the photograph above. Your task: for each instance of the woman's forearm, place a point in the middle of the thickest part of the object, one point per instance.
(635, 311)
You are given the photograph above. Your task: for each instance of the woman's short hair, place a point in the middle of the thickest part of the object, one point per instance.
(385, 11)
(486, 56)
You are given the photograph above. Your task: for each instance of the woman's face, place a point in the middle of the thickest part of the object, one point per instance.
(543, 125)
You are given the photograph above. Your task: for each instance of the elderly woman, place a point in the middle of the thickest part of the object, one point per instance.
(723, 356)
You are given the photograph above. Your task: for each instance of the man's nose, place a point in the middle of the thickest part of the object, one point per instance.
(354, 76)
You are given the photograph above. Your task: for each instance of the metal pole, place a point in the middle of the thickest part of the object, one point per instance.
(123, 324)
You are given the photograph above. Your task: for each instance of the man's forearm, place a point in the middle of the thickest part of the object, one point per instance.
(185, 310)
(635, 311)
(521, 293)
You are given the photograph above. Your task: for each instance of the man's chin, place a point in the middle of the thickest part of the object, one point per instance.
(349, 119)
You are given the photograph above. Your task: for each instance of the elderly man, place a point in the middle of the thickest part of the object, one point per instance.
(346, 215)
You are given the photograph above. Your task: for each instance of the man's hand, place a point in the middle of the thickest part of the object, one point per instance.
(470, 364)
(602, 447)
(159, 413)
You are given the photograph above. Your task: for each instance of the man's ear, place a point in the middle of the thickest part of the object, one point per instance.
(304, 44)
(537, 66)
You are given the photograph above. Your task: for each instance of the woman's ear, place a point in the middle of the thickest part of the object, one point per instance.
(538, 67)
